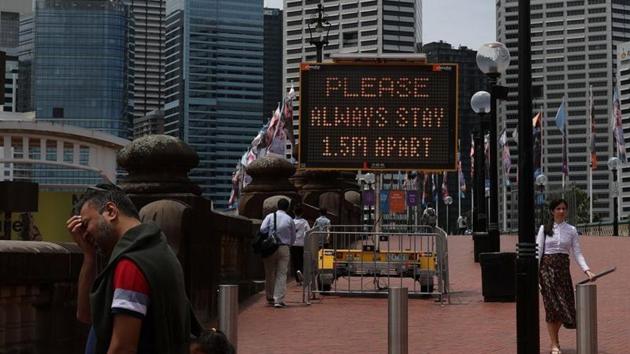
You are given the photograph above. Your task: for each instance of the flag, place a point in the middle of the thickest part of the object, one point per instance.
(425, 189)
(506, 158)
(486, 148)
(515, 135)
(276, 136)
(472, 157)
(618, 128)
(537, 137)
(561, 123)
(591, 114)
(444, 185)
(434, 194)
(287, 115)
(460, 176)
(561, 117)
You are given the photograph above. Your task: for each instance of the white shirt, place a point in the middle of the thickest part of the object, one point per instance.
(284, 225)
(301, 228)
(564, 239)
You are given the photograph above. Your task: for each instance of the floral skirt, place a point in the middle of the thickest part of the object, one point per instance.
(556, 287)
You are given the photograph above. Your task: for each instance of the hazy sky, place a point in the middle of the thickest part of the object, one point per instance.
(466, 22)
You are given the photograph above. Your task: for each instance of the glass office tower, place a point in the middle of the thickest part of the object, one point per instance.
(214, 88)
(80, 70)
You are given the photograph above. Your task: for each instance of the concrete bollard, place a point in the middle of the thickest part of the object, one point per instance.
(397, 338)
(586, 304)
(228, 312)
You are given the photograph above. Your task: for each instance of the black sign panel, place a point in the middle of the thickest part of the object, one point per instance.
(378, 116)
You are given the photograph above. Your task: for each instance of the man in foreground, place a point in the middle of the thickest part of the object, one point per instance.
(138, 303)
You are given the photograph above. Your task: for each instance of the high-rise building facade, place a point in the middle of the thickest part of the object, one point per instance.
(471, 80)
(80, 64)
(214, 84)
(623, 83)
(272, 59)
(147, 23)
(363, 26)
(12, 14)
(25, 66)
(574, 46)
(9, 69)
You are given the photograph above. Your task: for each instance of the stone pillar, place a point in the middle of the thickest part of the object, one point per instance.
(211, 246)
(270, 178)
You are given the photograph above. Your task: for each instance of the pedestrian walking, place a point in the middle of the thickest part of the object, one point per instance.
(555, 240)
(277, 264)
(322, 224)
(297, 250)
(462, 225)
(141, 285)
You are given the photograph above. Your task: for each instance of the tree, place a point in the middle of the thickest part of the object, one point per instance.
(578, 204)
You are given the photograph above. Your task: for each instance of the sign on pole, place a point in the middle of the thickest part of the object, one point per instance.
(378, 116)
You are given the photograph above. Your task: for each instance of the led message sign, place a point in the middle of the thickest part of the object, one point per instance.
(378, 116)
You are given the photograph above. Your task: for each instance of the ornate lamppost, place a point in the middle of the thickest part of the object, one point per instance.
(493, 59)
(480, 104)
(318, 30)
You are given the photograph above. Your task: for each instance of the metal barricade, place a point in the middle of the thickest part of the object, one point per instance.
(349, 260)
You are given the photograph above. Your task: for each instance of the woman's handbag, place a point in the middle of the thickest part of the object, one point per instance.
(267, 243)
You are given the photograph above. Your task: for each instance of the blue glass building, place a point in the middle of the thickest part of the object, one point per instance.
(214, 84)
(80, 64)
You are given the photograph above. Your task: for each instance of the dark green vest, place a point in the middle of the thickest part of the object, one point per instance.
(168, 304)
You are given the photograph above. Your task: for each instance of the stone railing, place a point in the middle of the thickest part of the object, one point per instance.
(38, 298)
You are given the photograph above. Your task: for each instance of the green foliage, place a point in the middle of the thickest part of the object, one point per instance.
(578, 204)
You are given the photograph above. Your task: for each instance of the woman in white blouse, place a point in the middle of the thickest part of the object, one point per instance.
(555, 241)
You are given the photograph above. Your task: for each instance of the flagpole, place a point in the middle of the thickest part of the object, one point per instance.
(505, 204)
(565, 155)
(542, 140)
(436, 200)
(459, 192)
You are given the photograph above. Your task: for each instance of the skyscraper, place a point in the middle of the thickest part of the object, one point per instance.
(573, 48)
(272, 82)
(12, 15)
(471, 80)
(80, 69)
(147, 21)
(214, 84)
(363, 26)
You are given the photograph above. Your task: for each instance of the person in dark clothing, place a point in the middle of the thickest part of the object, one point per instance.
(138, 303)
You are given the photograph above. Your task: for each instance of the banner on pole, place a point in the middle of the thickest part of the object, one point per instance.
(384, 203)
(368, 198)
(397, 201)
(412, 198)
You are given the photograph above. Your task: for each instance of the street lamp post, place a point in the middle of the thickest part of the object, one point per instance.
(318, 30)
(448, 201)
(613, 166)
(527, 309)
(493, 59)
(480, 104)
(541, 181)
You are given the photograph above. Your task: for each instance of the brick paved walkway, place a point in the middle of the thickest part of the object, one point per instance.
(468, 325)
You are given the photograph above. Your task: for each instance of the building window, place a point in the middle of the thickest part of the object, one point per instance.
(350, 39)
(57, 112)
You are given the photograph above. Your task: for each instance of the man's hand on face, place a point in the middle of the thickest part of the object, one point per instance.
(81, 237)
